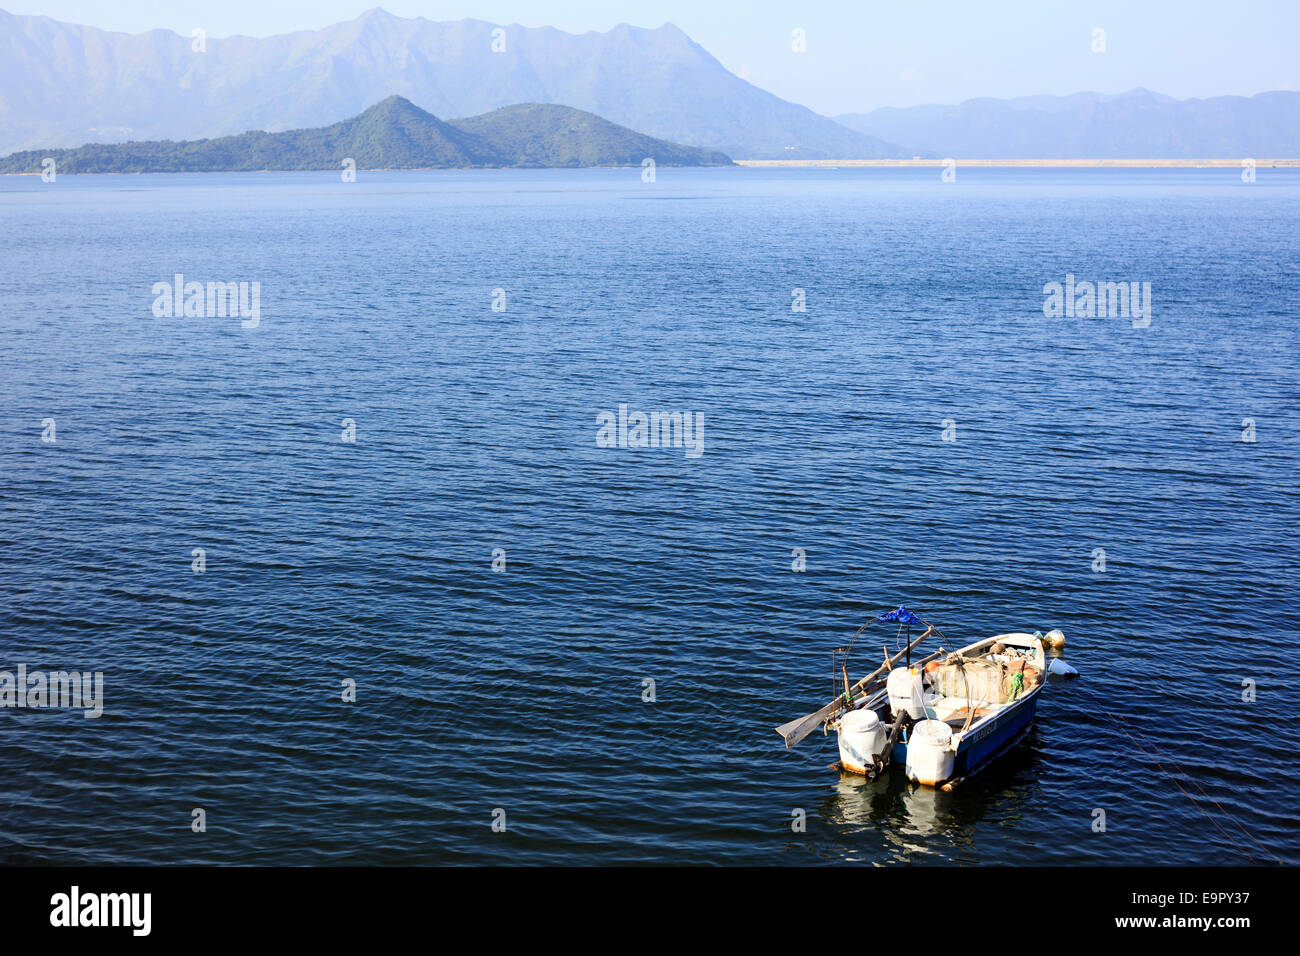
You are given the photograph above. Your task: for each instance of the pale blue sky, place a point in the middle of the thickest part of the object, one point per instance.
(860, 54)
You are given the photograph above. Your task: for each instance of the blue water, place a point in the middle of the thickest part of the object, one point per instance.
(476, 430)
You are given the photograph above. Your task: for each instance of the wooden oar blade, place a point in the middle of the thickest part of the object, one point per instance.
(797, 730)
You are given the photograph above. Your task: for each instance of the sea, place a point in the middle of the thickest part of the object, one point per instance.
(500, 516)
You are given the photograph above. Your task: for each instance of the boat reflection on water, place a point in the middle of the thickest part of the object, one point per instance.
(911, 822)
(903, 814)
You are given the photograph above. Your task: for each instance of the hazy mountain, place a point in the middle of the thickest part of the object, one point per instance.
(1138, 124)
(65, 85)
(394, 134)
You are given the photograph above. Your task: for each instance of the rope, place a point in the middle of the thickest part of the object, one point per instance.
(1017, 683)
(1155, 759)
(849, 650)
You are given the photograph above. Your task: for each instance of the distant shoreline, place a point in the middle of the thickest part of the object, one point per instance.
(1063, 163)
(778, 164)
(360, 169)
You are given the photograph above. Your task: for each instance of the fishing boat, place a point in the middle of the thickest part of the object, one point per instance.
(941, 718)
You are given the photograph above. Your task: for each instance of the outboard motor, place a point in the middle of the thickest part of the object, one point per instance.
(930, 752)
(862, 737)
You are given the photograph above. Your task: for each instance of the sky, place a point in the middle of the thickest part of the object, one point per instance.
(859, 54)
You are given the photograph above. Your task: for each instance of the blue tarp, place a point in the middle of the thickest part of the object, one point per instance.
(900, 615)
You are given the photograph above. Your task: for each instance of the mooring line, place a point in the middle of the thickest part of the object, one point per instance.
(1155, 759)
(1237, 823)
(1154, 754)
(1224, 810)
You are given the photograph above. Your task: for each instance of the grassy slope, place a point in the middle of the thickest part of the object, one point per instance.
(538, 134)
(393, 134)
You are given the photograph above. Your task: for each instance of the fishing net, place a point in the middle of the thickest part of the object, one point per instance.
(990, 682)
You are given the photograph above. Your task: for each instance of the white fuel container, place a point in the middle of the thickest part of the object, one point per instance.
(862, 735)
(929, 752)
(906, 692)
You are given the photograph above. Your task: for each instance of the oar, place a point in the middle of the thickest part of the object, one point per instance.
(797, 730)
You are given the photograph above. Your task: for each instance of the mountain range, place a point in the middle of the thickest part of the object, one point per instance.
(1138, 124)
(392, 134)
(65, 85)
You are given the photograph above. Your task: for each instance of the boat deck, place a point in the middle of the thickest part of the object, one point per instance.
(957, 718)
(954, 711)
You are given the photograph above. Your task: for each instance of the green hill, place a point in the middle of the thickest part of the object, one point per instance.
(539, 134)
(392, 134)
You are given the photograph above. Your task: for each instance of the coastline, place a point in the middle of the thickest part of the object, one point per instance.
(362, 169)
(1289, 163)
(1061, 163)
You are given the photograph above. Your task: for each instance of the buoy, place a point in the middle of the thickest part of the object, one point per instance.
(1060, 668)
(1054, 639)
